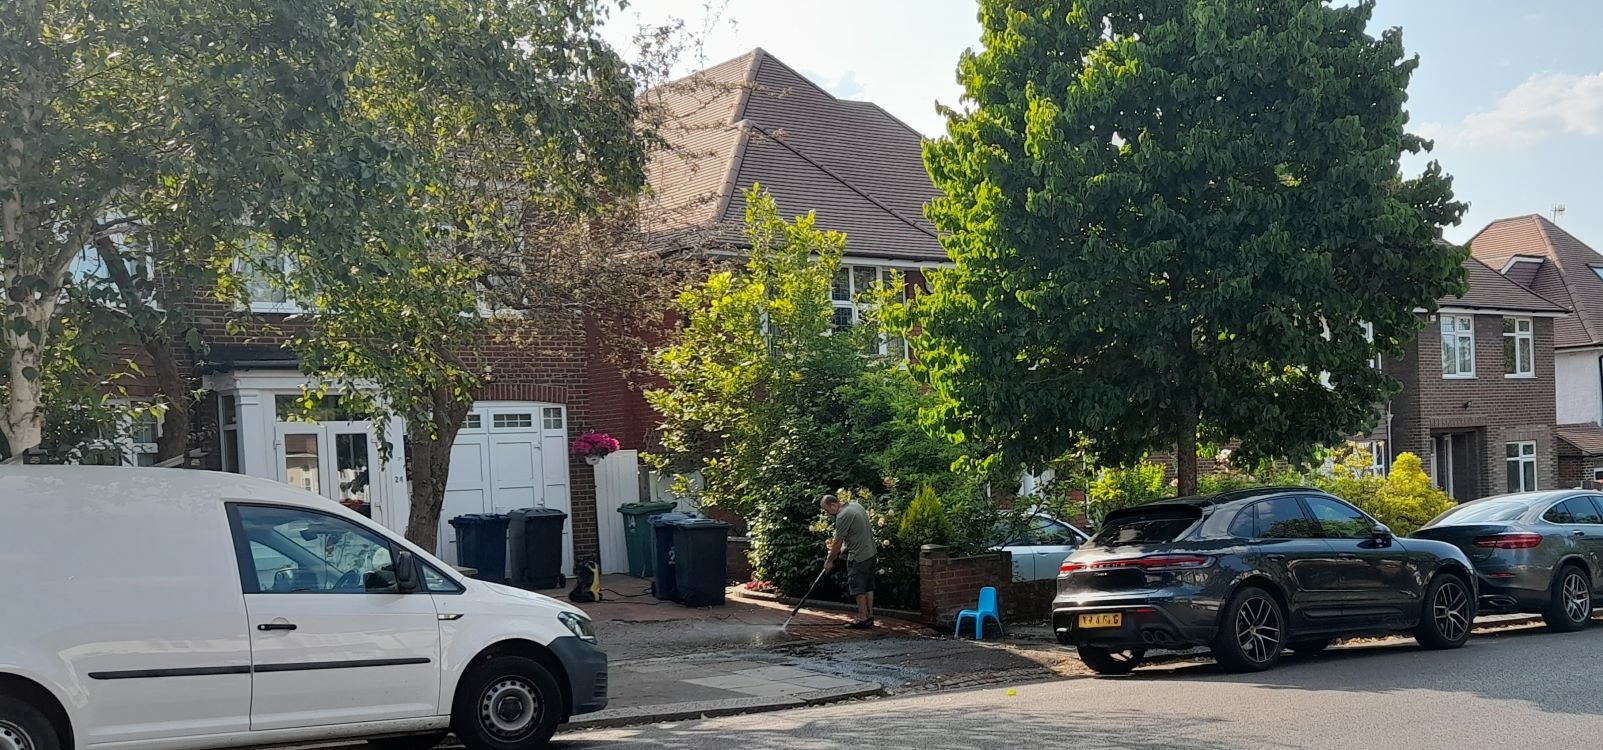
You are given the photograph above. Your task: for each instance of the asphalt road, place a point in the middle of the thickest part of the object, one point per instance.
(1524, 689)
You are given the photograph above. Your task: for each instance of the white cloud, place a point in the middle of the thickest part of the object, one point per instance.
(1545, 106)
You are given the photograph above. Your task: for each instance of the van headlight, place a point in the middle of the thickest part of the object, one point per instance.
(578, 625)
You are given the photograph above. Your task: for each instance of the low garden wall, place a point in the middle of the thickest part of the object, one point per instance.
(948, 584)
(738, 567)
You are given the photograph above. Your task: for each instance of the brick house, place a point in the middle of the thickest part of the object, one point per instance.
(754, 120)
(1549, 261)
(749, 120)
(1477, 404)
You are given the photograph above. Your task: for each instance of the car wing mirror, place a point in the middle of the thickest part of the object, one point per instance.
(405, 572)
(1381, 534)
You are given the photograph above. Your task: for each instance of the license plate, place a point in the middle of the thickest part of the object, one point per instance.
(1102, 620)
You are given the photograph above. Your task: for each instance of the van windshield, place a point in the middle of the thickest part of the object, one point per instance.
(1156, 524)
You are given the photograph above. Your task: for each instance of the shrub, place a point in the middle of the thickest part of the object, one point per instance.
(925, 521)
(1407, 500)
(1125, 487)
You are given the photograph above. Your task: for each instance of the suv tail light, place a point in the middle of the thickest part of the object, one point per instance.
(1148, 562)
(1509, 541)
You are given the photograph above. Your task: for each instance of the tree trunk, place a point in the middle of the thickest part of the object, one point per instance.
(148, 325)
(431, 466)
(1185, 455)
(23, 422)
(175, 424)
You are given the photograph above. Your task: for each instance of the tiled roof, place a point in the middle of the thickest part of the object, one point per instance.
(755, 120)
(1490, 290)
(1583, 439)
(1567, 276)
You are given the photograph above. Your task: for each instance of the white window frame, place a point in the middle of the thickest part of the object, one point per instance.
(229, 429)
(1369, 336)
(854, 301)
(119, 439)
(252, 281)
(88, 264)
(1454, 326)
(1526, 339)
(1521, 457)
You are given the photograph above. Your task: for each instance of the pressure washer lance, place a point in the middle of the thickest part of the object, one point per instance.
(786, 627)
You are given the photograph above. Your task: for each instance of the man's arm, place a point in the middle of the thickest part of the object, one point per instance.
(834, 552)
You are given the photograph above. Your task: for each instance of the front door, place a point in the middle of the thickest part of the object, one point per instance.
(1372, 580)
(332, 639)
(1457, 465)
(337, 460)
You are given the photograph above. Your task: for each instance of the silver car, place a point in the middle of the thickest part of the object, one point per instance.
(1039, 547)
(1536, 552)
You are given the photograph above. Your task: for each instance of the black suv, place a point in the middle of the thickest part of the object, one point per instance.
(1251, 573)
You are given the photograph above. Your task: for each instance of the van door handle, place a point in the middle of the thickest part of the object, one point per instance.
(276, 626)
(1579, 532)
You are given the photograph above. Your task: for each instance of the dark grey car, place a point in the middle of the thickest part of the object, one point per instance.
(1537, 552)
(1250, 574)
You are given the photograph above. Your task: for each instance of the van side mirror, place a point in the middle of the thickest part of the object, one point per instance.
(1382, 535)
(406, 572)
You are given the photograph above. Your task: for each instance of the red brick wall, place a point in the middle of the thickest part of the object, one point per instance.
(1504, 409)
(738, 566)
(617, 369)
(1576, 471)
(948, 585)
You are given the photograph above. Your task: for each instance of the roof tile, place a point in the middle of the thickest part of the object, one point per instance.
(1567, 278)
(754, 120)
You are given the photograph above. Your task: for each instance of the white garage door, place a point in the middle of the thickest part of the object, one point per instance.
(509, 455)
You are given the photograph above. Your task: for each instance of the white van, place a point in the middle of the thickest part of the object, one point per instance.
(172, 609)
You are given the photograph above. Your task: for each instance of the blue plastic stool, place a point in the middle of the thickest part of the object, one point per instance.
(987, 608)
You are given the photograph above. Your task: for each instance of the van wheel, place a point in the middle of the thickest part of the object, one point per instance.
(414, 742)
(507, 703)
(25, 727)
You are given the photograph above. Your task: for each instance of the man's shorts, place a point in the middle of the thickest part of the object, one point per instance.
(860, 577)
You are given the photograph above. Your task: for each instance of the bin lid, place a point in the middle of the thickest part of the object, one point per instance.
(471, 519)
(702, 524)
(673, 519)
(643, 509)
(536, 513)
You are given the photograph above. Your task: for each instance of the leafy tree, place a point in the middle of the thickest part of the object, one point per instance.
(521, 150)
(1117, 488)
(759, 397)
(112, 111)
(416, 162)
(1174, 222)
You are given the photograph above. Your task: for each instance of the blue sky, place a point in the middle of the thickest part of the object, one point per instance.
(1511, 91)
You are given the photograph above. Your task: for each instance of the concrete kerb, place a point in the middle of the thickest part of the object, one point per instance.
(623, 717)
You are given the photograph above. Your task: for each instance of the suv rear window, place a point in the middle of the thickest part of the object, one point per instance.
(1149, 525)
(1483, 512)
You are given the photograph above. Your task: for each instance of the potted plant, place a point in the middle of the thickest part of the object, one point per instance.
(594, 446)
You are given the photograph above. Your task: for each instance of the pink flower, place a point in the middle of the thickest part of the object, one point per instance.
(595, 444)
